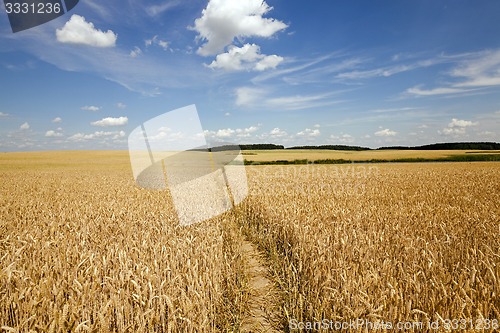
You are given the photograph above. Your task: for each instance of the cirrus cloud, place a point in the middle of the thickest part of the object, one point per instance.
(135, 52)
(480, 71)
(91, 108)
(436, 91)
(248, 95)
(158, 9)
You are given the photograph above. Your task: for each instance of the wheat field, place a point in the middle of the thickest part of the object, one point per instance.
(363, 155)
(393, 243)
(83, 249)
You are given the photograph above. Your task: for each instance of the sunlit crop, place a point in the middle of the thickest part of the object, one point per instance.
(401, 242)
(83, 249)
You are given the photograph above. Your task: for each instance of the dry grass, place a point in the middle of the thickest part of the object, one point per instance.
(397, 242)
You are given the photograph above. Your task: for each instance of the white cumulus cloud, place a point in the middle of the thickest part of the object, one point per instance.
(458, 126)
(79, 137)
(224, 133)
(3, 114)
(57, 120)
(247, 57)
(109, 121)
(245, 132)
(309, 133)
(385, 132)
(229, 132)
(224, 20)
(53, 134)
(24, 126)
(268, 62)
(163, 44)
(278, 133)
(461, 123)
(78, 31)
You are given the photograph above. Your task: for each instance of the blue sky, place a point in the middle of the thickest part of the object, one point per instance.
(369, 73)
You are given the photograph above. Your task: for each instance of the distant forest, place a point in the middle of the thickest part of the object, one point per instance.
(454, 146)
(435, 146)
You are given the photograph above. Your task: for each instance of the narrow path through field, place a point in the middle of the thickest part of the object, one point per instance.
(263, 306)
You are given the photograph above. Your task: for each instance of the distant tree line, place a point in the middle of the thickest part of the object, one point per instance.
(261, 146)
(231, 147)
(434, 146)
(331, 147)
(451, 146)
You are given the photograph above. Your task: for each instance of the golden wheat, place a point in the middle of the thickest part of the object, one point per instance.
(82, 249)
(401, 242)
